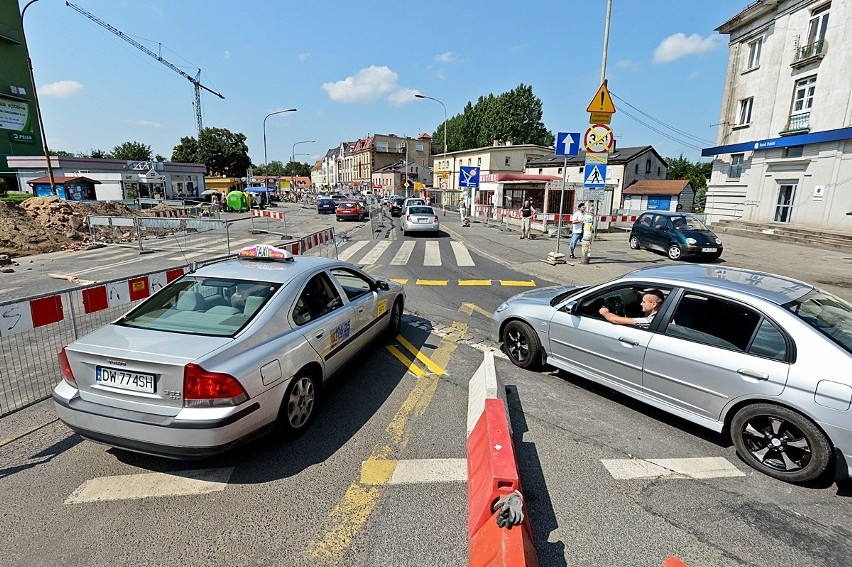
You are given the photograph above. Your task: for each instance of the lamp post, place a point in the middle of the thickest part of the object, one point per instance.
(418, 95)
(35, 99)
(293, 161)
(265, 163)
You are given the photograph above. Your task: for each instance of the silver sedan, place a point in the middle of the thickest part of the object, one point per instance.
(223, 354)
(419, 218)
(763, 357)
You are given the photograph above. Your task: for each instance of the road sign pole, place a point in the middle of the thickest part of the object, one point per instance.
(561, 202)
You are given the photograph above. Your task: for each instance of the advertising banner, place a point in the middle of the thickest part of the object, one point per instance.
(15, 115)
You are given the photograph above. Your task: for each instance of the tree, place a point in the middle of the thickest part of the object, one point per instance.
(222, 151)
(512, 116)
(132, 151)
(100, 154)
(697, 173)
(273, 168)
(159, 158)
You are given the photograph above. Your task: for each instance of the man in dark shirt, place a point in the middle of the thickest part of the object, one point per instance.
(527, 211)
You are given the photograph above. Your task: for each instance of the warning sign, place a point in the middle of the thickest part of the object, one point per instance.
(602, 101)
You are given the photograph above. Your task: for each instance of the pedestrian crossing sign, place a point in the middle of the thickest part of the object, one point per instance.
(594, 175)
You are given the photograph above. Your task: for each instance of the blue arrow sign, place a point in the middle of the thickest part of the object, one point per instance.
(468, 176)
(567, 143)
(594, 175)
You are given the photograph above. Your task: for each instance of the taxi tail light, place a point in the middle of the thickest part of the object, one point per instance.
(65, 367)
(210, 389)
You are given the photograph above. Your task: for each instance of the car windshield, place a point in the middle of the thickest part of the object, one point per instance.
(684, 222)
(216, 307)
(559, 298)
(420, 211)
(326, 202)
(828, 314)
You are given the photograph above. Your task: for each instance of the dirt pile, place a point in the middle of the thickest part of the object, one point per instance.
(48, 224)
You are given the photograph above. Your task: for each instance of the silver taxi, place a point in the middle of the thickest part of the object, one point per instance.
(223, 354)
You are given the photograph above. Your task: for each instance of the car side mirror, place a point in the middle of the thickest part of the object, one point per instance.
(382, 285)
(571, 307)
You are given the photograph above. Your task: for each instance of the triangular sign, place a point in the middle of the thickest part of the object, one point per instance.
(602, 102)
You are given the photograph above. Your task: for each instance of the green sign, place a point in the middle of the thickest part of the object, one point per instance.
(21, 138)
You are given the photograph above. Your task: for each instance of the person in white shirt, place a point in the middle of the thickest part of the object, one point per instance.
(651, 301)
(577, 220)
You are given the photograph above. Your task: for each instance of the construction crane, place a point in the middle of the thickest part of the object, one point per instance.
(194, 80)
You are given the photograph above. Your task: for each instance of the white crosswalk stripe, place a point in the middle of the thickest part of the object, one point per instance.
(432, 257)
(352, 249)
(462, 254)
(372, 257)
(403, 254)
(369, 252)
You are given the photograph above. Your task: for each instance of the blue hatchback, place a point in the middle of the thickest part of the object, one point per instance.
(676, 234)
(325, 206)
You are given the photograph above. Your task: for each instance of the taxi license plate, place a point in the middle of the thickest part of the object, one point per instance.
(124, 380)
(708, 249)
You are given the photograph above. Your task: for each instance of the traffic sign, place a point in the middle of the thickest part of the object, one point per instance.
(602, 102)
(597, 158)
(594, 175)
(567, 143)
(600, 118)
(468, 176)
(598, 139)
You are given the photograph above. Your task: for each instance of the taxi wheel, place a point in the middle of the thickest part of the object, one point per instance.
(298, 405)
(395, 323)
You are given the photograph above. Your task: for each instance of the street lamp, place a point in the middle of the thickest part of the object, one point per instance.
(35, 99)
(293, 162)
(418, 95)
(265, 163)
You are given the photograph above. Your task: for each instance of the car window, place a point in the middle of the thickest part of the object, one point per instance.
(645, 220)
(318, 298)
(769, 342)
(624, 301)
(661, 222)
(717, 322)
(421, 211)
(202, 306)
(354, 285)
(828, 314)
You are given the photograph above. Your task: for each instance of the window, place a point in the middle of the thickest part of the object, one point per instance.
(647, 166)
(479, 161)
(744, 116)
(381, 146)
(794, 151)
(754, 48)
(736, 166)
(506, 161)
(659, 170)
(318, 298)
(624, 301)
(818, 25)
(354, 285)
(636, 168)
(803, 96)
(419, 147)
(721, 323)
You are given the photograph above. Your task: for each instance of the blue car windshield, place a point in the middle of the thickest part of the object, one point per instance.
(685, 222)
(828, 314)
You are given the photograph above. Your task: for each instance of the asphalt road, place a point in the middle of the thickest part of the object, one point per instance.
(318, 500)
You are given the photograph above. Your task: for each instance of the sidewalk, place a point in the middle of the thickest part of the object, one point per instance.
(611, 257)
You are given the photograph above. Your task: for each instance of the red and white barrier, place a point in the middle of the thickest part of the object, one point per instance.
(172, 213)
(316, 239)
(278, 215)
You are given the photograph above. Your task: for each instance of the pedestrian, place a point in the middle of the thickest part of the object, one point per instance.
(651, 301)
(577, 220)
(527, 212)
(462, 209)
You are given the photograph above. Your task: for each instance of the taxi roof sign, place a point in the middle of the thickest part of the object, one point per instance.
(265, 252)
(602, 101)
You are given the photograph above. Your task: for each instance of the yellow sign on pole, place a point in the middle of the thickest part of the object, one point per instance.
(602, 102)
(600, 118)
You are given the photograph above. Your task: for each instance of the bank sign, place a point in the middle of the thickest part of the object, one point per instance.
(15, 115)
(21, 138)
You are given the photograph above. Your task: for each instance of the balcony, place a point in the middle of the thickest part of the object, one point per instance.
(797, 124)
(809, 53)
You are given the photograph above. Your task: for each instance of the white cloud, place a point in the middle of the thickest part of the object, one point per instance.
(627, 64)
(367, 85)
(447, 57)
(679, 45)
(60, 89)
(439, 74)
(227, 55)
(303, 56)
(403, 95)
(146, 123)
(693, 75)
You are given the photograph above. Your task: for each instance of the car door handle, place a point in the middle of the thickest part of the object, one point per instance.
(631, 342)
(319, 335)
(753, 374)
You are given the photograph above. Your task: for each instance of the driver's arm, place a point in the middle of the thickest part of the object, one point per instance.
(615, 319)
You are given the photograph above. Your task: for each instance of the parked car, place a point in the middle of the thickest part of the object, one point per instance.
(396, 206)
(677, 234)
(420, 218)
(762, 357)
(223, 354)
(350, 210)
(326, 206)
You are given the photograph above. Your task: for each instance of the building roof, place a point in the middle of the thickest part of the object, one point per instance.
(619, 156)
(657, 187)
(62, 180)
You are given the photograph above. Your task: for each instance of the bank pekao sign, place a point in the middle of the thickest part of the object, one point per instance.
(21, 138)
(15, 115)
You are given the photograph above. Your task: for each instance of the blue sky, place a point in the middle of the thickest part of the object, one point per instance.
(351, 68)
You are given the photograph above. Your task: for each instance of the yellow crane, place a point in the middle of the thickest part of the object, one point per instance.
(194, 80)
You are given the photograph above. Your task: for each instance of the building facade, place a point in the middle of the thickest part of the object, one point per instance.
(784, 152)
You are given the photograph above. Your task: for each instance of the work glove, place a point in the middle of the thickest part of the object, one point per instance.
(511, 510)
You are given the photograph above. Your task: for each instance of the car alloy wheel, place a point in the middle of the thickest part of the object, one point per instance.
(780, 442)
(522, 345)
(634, 242)
(675, 252)
(297, 408)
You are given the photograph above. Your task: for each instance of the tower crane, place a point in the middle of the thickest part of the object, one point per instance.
(194, 80)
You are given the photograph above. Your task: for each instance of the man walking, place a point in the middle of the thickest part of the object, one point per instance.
(527, 211)
(577, 220)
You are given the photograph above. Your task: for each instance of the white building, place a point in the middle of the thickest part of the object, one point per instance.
(784, 151)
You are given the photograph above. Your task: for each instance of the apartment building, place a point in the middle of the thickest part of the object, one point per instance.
(784, 152)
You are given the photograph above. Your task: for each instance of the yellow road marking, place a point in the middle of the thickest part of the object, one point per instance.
(413, 368)
(401, 281)
(4, 441)
(517, 283)
(474, 282)
(359, 500)
(420, 356)
(469, 308)
(432, 282)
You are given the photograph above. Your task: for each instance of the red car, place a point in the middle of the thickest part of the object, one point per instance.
(351, 210)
